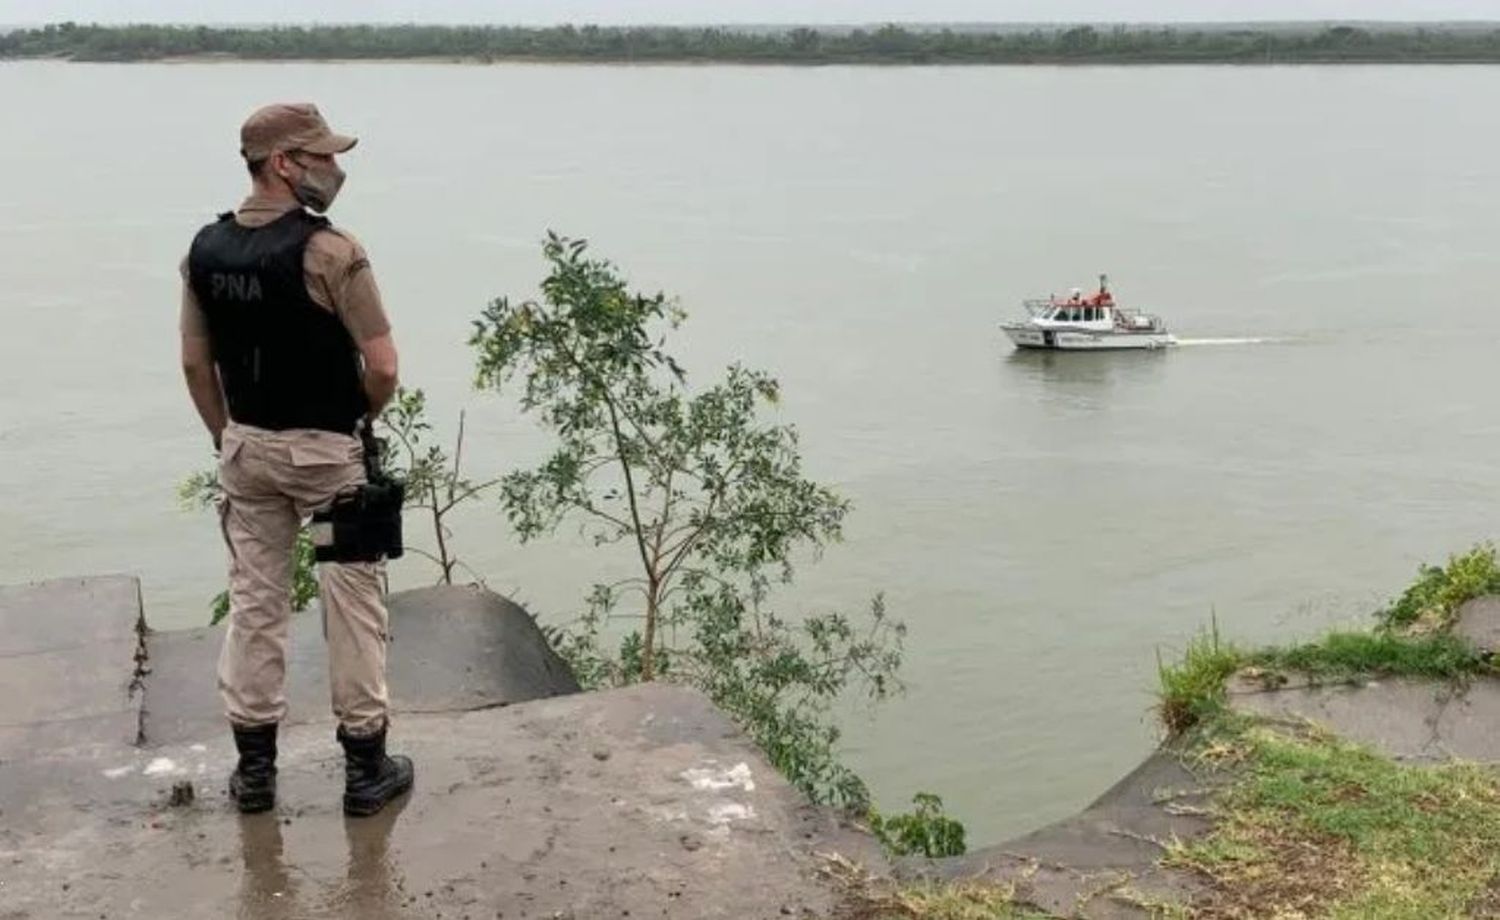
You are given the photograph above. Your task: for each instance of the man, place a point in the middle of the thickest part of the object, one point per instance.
(286, 348)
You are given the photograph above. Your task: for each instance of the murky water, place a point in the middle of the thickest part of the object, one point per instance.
(1322, 237)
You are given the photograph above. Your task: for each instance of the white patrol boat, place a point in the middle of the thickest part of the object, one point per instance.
(1091, 322)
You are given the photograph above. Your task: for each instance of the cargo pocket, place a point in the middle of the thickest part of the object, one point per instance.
(230, 445)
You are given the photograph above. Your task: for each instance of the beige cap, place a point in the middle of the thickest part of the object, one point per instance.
(289, 126)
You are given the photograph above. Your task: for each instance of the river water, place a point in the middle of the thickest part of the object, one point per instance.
(1322, 238)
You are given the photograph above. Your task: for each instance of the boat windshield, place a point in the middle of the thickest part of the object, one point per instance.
(1078, 314)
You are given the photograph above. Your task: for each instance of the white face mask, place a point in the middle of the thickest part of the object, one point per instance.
(318, 186)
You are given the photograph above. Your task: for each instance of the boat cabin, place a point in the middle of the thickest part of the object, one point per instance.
(1075, 313)
(1098, 307)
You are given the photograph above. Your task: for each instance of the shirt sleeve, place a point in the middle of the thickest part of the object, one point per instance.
(339, 276)
(190, 319)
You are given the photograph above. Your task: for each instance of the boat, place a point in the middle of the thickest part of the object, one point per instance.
(1093, 322)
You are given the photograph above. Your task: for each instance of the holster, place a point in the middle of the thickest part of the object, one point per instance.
(364, 523)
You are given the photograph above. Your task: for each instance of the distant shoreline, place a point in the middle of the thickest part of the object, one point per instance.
(476, 61)
(889, 45)
(453, 61)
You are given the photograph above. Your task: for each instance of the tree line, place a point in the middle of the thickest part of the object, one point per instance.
(889, 44)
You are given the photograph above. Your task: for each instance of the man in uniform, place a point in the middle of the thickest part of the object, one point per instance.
(286, 349)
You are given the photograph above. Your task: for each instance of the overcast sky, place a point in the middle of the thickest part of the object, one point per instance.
(735, 11)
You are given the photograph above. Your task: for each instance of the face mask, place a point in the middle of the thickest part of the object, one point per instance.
(318, 187)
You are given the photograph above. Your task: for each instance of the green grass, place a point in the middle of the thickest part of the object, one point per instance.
(1351, 655)
(1431, 601)
(1308, 825)
(1317, 827)
(1193, 688)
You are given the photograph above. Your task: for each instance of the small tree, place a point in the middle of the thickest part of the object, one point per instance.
(435, 483)
(927, 830)
(710, 501)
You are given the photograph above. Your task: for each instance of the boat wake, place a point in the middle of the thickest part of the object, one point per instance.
(1185, 343)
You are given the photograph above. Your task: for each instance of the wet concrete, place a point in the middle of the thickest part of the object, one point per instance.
(644, 802)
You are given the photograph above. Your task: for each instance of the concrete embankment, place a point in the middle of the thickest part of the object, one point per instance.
(531, 801)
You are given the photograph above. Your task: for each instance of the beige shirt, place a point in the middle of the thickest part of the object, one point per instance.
(335, 267)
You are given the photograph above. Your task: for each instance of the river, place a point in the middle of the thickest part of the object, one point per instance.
(1321, 238)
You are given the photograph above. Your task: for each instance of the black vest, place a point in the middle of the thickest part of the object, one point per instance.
(285, 361)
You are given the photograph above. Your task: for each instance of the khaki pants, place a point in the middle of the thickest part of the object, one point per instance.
(273, 480)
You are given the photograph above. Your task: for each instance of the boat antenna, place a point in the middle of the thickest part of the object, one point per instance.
(1103, 283)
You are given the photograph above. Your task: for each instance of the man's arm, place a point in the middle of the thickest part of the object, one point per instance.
(198, 363)
(203, 385)
(339, 276)
(380, 370)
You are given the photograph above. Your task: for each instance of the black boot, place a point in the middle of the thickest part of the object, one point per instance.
(252, 785)
(371, 779)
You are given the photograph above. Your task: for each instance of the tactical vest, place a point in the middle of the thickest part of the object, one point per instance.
(284, 361)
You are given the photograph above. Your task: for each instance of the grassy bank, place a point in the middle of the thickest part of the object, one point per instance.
(1309, 825)
(1410, 638)
(1194, 689)
(1312, 826)
(1306, 824)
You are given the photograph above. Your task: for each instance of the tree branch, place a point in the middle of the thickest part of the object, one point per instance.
(471, 491)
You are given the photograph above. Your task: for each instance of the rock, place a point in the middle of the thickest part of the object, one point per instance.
(452, 649)
(1478, 621)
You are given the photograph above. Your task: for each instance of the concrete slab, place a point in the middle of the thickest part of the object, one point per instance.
(1100, 862)
(1398, 717)
(68, 657)
(452, 648)
(64, 613)
(642, 802)
(1411, 720)
(1478, 621)
(110, 731)
(1465, 728)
